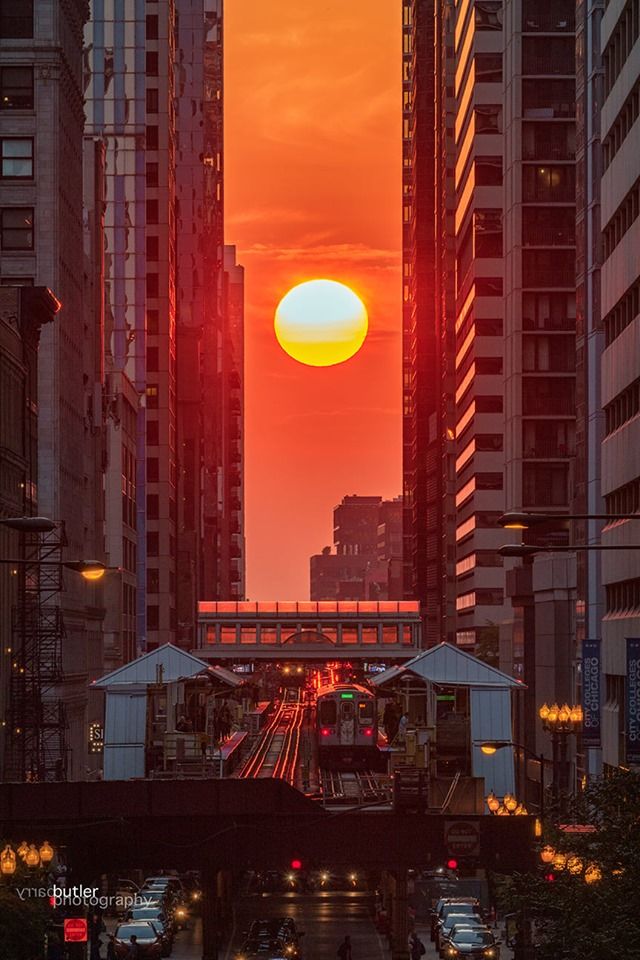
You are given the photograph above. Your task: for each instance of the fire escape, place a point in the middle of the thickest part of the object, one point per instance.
(37, 749)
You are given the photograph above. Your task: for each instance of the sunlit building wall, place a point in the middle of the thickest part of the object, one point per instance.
(479, 403)
(424, 444)
(129, 91)
(620, 309)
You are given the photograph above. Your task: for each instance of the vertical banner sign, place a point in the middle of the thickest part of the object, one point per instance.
(591, 692)
(633, 700)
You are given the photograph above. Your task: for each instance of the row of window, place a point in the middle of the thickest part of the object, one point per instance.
(624, 121)
(621, 43)
(621, 221)
(16, 88)
(153, 617)
(548, 183)
(16, 228)
(545, 485)
(481, 598)
(625, 499)
(481, 558)
(548, 55)
(625, 311)
(622, 408)
(479, 521)
(16, 158)
(623, 597)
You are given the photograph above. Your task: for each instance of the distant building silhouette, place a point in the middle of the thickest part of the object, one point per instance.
(367, 563)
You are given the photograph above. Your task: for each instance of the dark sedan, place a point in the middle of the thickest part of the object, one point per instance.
(472, 942)
(147, 937)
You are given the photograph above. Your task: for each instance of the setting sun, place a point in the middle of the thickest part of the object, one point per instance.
(321, 323)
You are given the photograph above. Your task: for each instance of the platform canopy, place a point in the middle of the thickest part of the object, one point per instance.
(164, 665)
(449, 666)
(490, 707)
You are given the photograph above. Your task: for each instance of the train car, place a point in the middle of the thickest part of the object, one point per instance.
(346, 725)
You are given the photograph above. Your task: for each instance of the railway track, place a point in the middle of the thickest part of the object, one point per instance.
(353, 786)
(276, 754)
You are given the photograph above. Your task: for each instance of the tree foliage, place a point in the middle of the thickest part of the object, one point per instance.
(569, 917)
(22, 925)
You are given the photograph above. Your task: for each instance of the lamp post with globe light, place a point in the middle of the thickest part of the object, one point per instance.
(560, 722)
(490, 747)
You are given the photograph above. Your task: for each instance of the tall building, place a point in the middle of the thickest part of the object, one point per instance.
(367, 562)
(130, 105)
(41, 241)
(589, 347)
(424, 404)
(620, 308)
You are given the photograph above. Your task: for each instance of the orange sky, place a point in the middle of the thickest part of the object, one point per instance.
(313, 189)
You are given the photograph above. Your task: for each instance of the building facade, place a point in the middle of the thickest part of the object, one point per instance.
(620, 307)
(41, 129)
(368, 537)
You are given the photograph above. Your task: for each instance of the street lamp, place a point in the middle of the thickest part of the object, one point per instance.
(559, 722)
(520, 520)
(89, 569)
(30, 524)
(489, 747)
(529, 550)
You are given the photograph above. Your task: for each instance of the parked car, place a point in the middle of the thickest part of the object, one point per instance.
(460, 909)
(472, 942)
(281, 929)
(445, 902)
(269, 949)
(148, 939)
(456, 921)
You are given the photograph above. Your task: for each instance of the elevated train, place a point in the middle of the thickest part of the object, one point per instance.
(346, 725)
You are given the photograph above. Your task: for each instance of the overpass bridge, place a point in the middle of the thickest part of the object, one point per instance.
(309, 630)
(221, 827)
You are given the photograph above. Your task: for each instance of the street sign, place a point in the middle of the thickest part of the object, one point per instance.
(75, 930)
(462, 838)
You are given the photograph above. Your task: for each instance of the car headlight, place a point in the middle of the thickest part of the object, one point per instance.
(196, 895)
(490, 952)
(452, 952)
(181, 914)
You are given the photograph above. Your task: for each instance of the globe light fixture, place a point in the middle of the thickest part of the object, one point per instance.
(592, 874)
(547, 854)
(46, 852)
(510, 802)
(7, 862)
(23, 849)
(32, 859)
(574, 865)
(559, 861)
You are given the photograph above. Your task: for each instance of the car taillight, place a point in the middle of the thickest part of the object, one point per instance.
(368, 731)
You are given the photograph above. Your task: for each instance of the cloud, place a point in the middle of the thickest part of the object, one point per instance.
(354, 253)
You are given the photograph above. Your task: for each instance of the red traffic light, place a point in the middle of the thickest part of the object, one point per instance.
(296, 864)
(452, 864)
(550, 877)
(75, 930)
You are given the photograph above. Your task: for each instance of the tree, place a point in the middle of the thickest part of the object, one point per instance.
(570, 917)
(23, 924)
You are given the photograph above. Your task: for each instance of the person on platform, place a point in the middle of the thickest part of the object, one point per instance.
(402, 727)
(344, 950)
(390, 720)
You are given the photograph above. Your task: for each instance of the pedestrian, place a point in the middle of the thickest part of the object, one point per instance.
(344, 950)
(402, 727)
(96, 927)
(133, 950)
(390, 720)
(111, 948)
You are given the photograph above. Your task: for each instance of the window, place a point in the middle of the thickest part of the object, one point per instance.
(152, 100)
(488, 286)
(548, 55)
(152, 284)
(328, 712)
(16, 156)
(16, 228)
(152, 174)
(488, 481)
(553, 98)
(152, 64)
(488, 233)
(153, 244)
(548, 397)
(152, 360)
(548, 268)
(153, 543)
(489, 404)
(548, 311)
(152, 398)
(488, 172)
(488, 366)
(488, 15)
(548, 141)
(16, 282)
(152, 211)
(16, 88)
(153, 616)
(152, 26)
(488, 67)
(153, 437)
(488, 118)
(544, 227)
(153, 320)
(623, 408)
(153, 469)
(152, 137)
(549, 184)
(153, 581)
(16, 19)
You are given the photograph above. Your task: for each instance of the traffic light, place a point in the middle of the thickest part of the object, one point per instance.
(550, 877)
(452, 864)
(296, 864)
